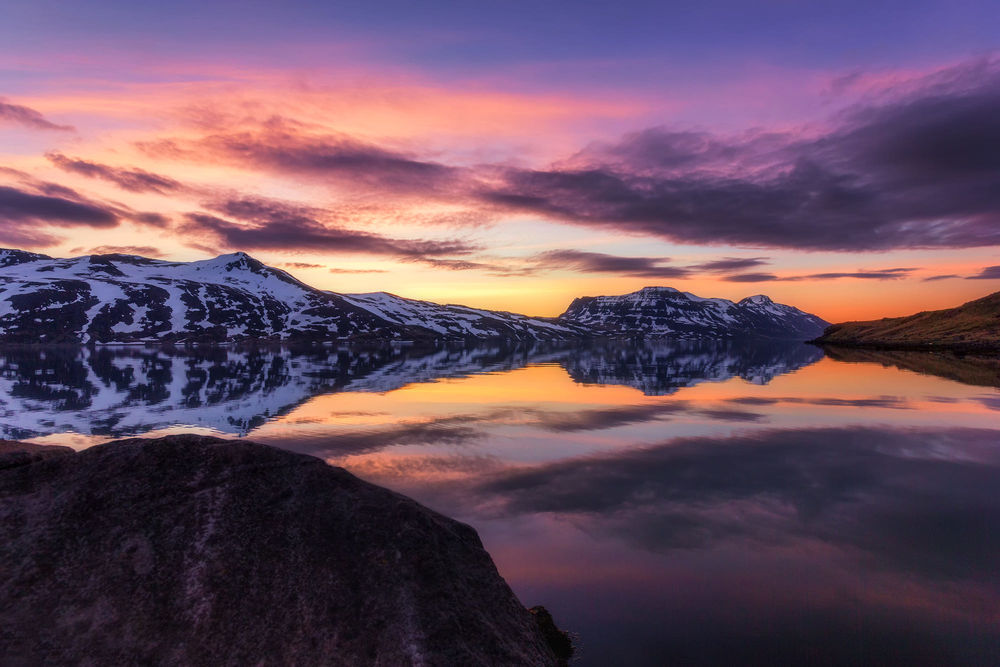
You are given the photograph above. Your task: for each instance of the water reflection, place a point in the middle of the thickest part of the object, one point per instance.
(687, 504)
(127, 390)
(810, 546)
(977, 369)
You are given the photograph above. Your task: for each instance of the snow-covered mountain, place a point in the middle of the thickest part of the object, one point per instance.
(127, 298)
(667, 312)
(111, 299)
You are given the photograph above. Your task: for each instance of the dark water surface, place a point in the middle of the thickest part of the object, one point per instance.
(670, 503)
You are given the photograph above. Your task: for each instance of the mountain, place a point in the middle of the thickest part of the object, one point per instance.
(189, 550)
(127, 298)
(972, 326)
(665, 311)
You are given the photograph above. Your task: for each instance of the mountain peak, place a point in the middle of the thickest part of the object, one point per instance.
(11, 256)
(757, 298)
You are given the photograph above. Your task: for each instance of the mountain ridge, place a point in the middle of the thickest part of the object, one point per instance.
(972, 326)
(118, 298)
(665, 311)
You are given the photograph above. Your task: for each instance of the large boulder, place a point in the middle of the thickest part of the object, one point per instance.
(189, 550)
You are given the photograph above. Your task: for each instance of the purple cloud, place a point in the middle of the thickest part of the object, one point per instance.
(133, 180)
(597, 262)
(916, 172)
(988, 273)
(28, 117)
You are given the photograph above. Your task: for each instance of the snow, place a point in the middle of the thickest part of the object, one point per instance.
(237, 294)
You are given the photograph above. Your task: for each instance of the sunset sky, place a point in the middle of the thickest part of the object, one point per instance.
(840, 157)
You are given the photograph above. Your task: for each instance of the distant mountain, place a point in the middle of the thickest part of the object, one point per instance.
(665, 311)
(972, 326)
(127, 298)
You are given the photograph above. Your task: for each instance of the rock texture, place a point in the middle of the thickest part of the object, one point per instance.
(199, 551)
(667, 312)
(973, 326)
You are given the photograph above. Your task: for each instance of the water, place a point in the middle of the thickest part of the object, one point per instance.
(669, 503)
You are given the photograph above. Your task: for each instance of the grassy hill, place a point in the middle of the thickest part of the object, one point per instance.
(972, 326)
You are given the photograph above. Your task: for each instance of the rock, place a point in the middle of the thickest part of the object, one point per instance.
(188, 550)
(558, 641)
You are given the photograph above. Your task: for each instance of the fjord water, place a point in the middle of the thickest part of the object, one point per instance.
(670, 503)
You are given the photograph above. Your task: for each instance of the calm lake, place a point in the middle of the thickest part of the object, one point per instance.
(688, 503)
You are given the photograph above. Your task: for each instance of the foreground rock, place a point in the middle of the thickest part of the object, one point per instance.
(190, 550)
(972, 327)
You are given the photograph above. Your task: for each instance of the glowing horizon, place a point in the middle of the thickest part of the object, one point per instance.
(488, 158)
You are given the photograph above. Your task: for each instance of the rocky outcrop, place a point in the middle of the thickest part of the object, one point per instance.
(198, 551)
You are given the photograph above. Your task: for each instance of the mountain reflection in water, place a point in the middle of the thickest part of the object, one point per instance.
(116, 391)
(695, 504)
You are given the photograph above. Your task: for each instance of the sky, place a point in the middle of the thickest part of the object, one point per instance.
(840, 157)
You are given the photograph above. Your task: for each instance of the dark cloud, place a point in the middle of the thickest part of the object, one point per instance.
(989, 273)
(596, 262)
(26, 216)
(22, 115)
(730, 264)
(916, 169)
(341, 157)
(919, 171)
(751, 278)
(19, 206)
(146, 218)
(269, 224)
(878, 274)
(944, 276)
(134, 180)
(874, 274)
(303, 234)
